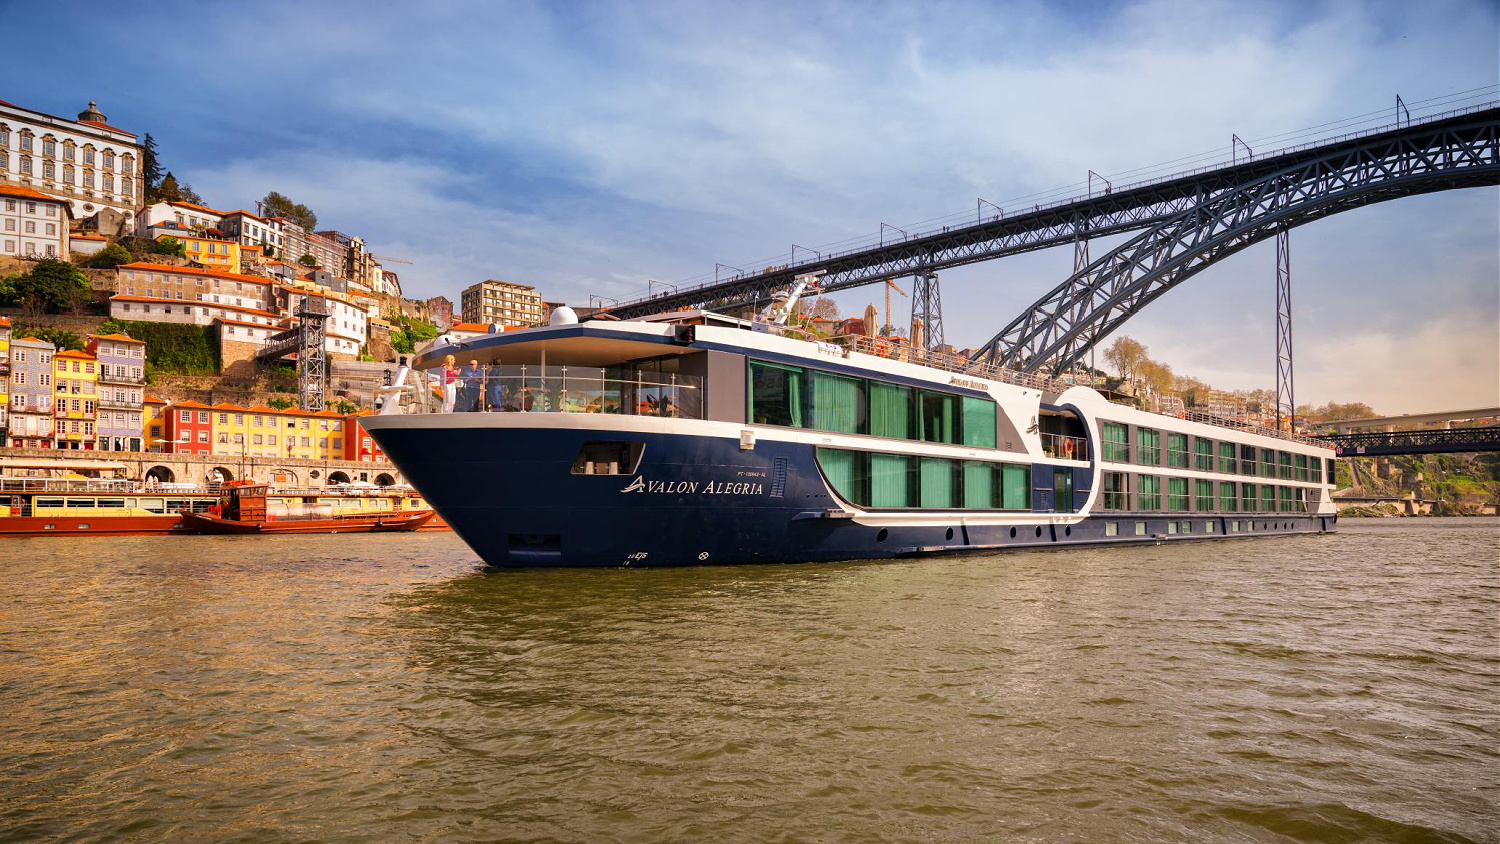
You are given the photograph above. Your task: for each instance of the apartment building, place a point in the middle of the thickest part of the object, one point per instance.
(87, 163)
(30, 393)
(33, 224)
(494, 302)
(120, 412)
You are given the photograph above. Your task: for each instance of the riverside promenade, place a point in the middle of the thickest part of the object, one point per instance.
(195, 469)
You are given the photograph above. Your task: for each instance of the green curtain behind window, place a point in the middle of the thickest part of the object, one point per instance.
(979, 422)
(937, 482)
(979, 486)
(888, 480)
(842, 469)
(836, 403)
(1015, 487)
(890, 410)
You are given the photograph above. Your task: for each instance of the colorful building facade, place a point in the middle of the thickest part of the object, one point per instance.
(30, 417)
(76, 379)
(121, 417)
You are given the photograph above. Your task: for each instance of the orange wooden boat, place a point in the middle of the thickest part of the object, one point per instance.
(242, 510)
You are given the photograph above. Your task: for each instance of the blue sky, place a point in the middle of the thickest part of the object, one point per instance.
(585, 148)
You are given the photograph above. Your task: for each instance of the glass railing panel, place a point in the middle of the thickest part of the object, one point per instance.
(561, 389)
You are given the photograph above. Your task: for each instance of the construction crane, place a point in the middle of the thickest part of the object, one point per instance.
(889, 286)
(386, 259)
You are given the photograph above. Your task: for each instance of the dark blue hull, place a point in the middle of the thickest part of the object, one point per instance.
(511, 495)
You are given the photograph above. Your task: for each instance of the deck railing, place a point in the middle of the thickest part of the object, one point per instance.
(567, 389)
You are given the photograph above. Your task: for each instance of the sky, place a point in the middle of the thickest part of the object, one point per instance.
(587, 147)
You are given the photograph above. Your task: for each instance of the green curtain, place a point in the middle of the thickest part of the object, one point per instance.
(890, 410)
(979, 422)
(1203, 492)
(937, 482)
(836, 403)
(1150, 446)
(1149, 493)
(1227, 497)
(979, 486)
(842, 469)
(888, 480)
(1247, 493)
(794, 396)
(1177, 494)
(1267, 498)
(1116, 444)
(1226, 458)
(1015, 487)
(937, 417)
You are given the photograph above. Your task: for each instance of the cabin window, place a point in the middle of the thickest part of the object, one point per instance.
(1226, 458)
(1284, 461)
(939, 417)
(1140, 528)
(1148, 492)
(1114, 490)
(1300, 496)
(979, 422)
(1267, 498)
(1332, 471)
(1015, 487)
(1177, 494)
(1177, 451)
(49, 502)
(1203, 455)
(1149, 445)
(80, 503)
(112, 502)
(937, 483)
(838, 403)
(890, 410)
(1111, 528)
(776, 394)
(1301, 467)
(1248, 497)
(847, 473)
(1315, 470)
(978, 486)
(1228, 496)
(1247, 460)
(891, 480)
(1284, 496)
(1116, 442)
(1203, 495)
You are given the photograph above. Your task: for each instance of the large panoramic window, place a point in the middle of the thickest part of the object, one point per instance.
(1284, 463)
(939, 416)
(1177, 451)
(1116, 442)
(1267, 463)
(1248, 497)
(1301, 467)
(838, 403)
(978, 422)
(1148, 443)
(1267, 498)
(1148, 492)
(1284, 493)
(875, 480)
(776, 394)
(890, 410)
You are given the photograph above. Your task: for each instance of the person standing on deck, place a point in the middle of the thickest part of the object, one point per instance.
(473, 387)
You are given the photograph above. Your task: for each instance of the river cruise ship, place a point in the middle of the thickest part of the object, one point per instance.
(692, 438)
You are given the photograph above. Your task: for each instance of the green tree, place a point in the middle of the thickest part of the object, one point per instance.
(52, 285)
(344, 407)
(277, 205)
(61, 338)
(308, 261)
(281, 403)
(150, 170)
(170, 246)
(109, 257)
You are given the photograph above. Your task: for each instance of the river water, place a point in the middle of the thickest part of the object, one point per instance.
(383, 688)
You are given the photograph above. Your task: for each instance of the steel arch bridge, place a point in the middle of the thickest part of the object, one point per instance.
(1122, 209)
(1057, 330)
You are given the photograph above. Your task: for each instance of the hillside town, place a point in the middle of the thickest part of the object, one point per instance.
(150, 269)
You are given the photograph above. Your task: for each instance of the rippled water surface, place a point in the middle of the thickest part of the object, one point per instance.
(344, 689)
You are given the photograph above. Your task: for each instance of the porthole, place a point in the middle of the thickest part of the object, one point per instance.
(1038, 530)
(1012, 533)
(881, 536)
(1067, 531)
(950, 533)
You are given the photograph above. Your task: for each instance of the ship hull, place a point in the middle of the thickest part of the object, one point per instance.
(509, 491)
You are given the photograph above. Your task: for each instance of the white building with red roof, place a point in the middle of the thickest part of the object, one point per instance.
(86, 162)
(33, 224)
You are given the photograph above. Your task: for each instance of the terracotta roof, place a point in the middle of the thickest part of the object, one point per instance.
(193, 404)
(470, 326)
(246, 213)
(87, 237)
(193, 206)
(242, 322)
(71, 353)
(121, 337)
(4, 321)
(150, 399)
(168, 268)
(27, 193)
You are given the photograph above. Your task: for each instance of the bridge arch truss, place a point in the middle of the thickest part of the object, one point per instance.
(1059, 329)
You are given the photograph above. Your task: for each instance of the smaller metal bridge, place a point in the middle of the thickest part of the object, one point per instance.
(1432, 441)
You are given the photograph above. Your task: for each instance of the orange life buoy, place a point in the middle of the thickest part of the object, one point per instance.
(1068, 449)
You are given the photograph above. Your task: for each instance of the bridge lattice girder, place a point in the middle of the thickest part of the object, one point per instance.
(1432, 441)
(1126, 209)
(1058, 329)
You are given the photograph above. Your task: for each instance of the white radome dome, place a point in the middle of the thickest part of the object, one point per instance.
(563, 316)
